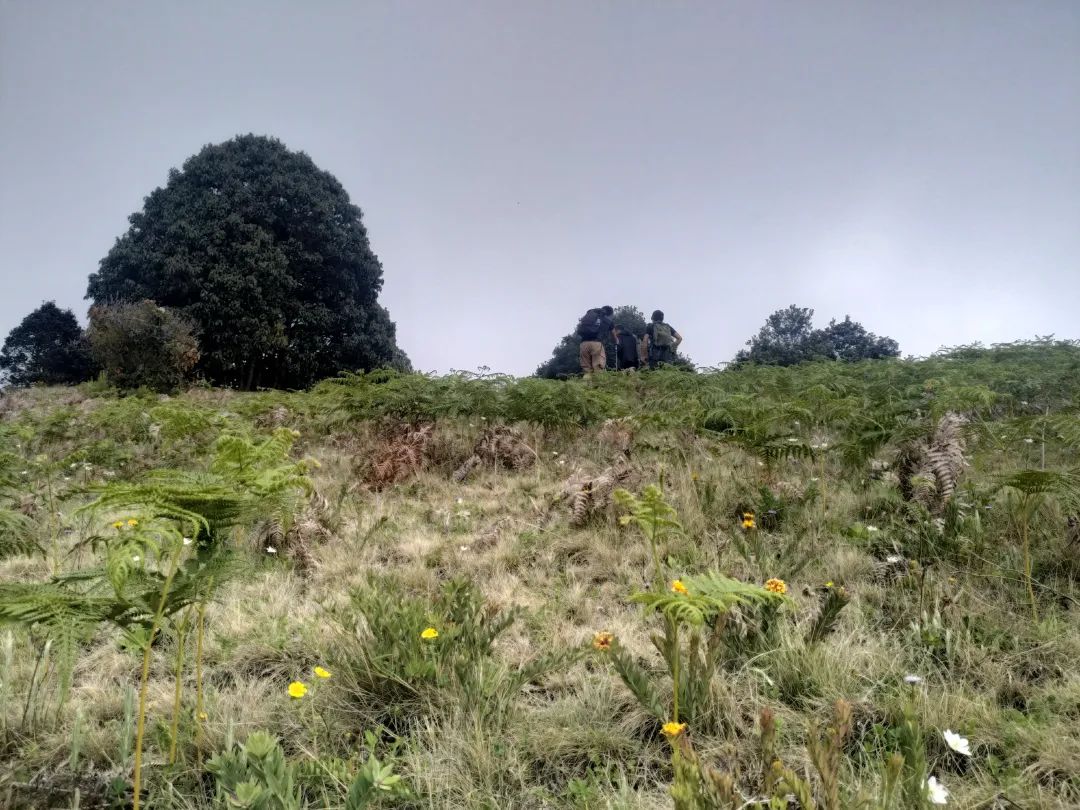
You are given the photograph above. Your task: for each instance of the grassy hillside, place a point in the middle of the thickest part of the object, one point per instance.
(505, 579)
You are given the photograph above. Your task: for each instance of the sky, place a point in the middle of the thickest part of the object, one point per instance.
(915, 165)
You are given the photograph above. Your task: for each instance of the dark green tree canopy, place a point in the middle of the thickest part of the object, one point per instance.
(788, 337)
(265, 253)
(47, 347)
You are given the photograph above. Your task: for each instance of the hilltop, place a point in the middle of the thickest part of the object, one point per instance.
(472, 590)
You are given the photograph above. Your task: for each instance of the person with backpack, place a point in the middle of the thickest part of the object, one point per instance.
(627, 357)
(661, 341)
(593, 328)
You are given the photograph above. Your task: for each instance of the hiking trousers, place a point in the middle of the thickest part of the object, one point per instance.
(593, 356)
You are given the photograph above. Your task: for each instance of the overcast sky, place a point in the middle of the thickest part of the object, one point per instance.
(913, 164)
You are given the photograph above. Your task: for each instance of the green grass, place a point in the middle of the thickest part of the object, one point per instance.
(531, 716)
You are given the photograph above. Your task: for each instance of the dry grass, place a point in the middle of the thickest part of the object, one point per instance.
(1011, 687)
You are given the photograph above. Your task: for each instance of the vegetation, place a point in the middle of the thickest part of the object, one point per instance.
(788, 337)
(141, 344)
(834, 585)
(46, 348)
(266, 254)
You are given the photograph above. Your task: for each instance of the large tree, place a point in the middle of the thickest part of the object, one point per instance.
(47, 347)
(265, 253)
(788, 337)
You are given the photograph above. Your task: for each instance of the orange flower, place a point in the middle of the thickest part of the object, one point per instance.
(678, 587)
(672, 729)
(602, 641)
(777, 586)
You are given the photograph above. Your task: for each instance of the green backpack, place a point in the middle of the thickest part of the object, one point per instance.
(662, 336)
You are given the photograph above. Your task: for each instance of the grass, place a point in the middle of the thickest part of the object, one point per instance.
(537, 718)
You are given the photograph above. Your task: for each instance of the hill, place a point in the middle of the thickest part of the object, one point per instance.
(479, 591)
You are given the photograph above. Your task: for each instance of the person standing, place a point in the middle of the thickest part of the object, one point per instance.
(627, 357)
(661, 340)
(594, 326)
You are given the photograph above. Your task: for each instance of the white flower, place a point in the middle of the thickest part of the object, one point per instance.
(1023, 402)
(74, 464)
(554, 452)
(959, 744)
(872, 529)
(271, 550)
(1029, 441)
(937, 791)
(135, 558)
(463, 548)
(815, 479)
(912, 680)
(461, 500)
(893, 559)
(187, 541)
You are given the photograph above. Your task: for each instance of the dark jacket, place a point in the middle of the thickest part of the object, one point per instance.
(595, 325)
(626, 354)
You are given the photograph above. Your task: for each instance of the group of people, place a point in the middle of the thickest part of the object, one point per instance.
(654, 348)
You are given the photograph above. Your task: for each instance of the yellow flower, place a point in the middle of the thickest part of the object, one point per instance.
(748, 520)
(602, 641)
(776, 586)
(829, 584)
(118, 525)
(429, 634)
(203, 716)
(321, 673)
(678, 587)
(132, 522)
(673, 729)
(297, 690)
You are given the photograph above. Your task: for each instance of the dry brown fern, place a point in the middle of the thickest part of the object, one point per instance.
(498, 446)
(929, 469)
(618, 434)
(401, 455)
(274, 418)
(589, 495)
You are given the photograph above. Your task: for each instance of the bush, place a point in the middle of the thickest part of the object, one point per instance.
(142, 344)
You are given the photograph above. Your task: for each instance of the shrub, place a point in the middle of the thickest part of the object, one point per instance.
(142, 344)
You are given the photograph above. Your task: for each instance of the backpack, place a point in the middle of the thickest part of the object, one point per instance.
(662, 337)
(588, 327)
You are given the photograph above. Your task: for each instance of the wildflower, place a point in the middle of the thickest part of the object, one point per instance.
(672, 729)
(872, 529)
(912, 680)
(893, 559)
(1029, 441)
(748, 520)
(132, 522)
(321, 673)
(297, 690)
(602, 641)
(118, 525)
(203, 716)
(271, 550)
(187, 541)
(959, 744)
(463, 548)
(135, 558)
(829, 584)
(814, 479)
(429, 634)
(775, 585)
(936, 790)
(678, 587)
